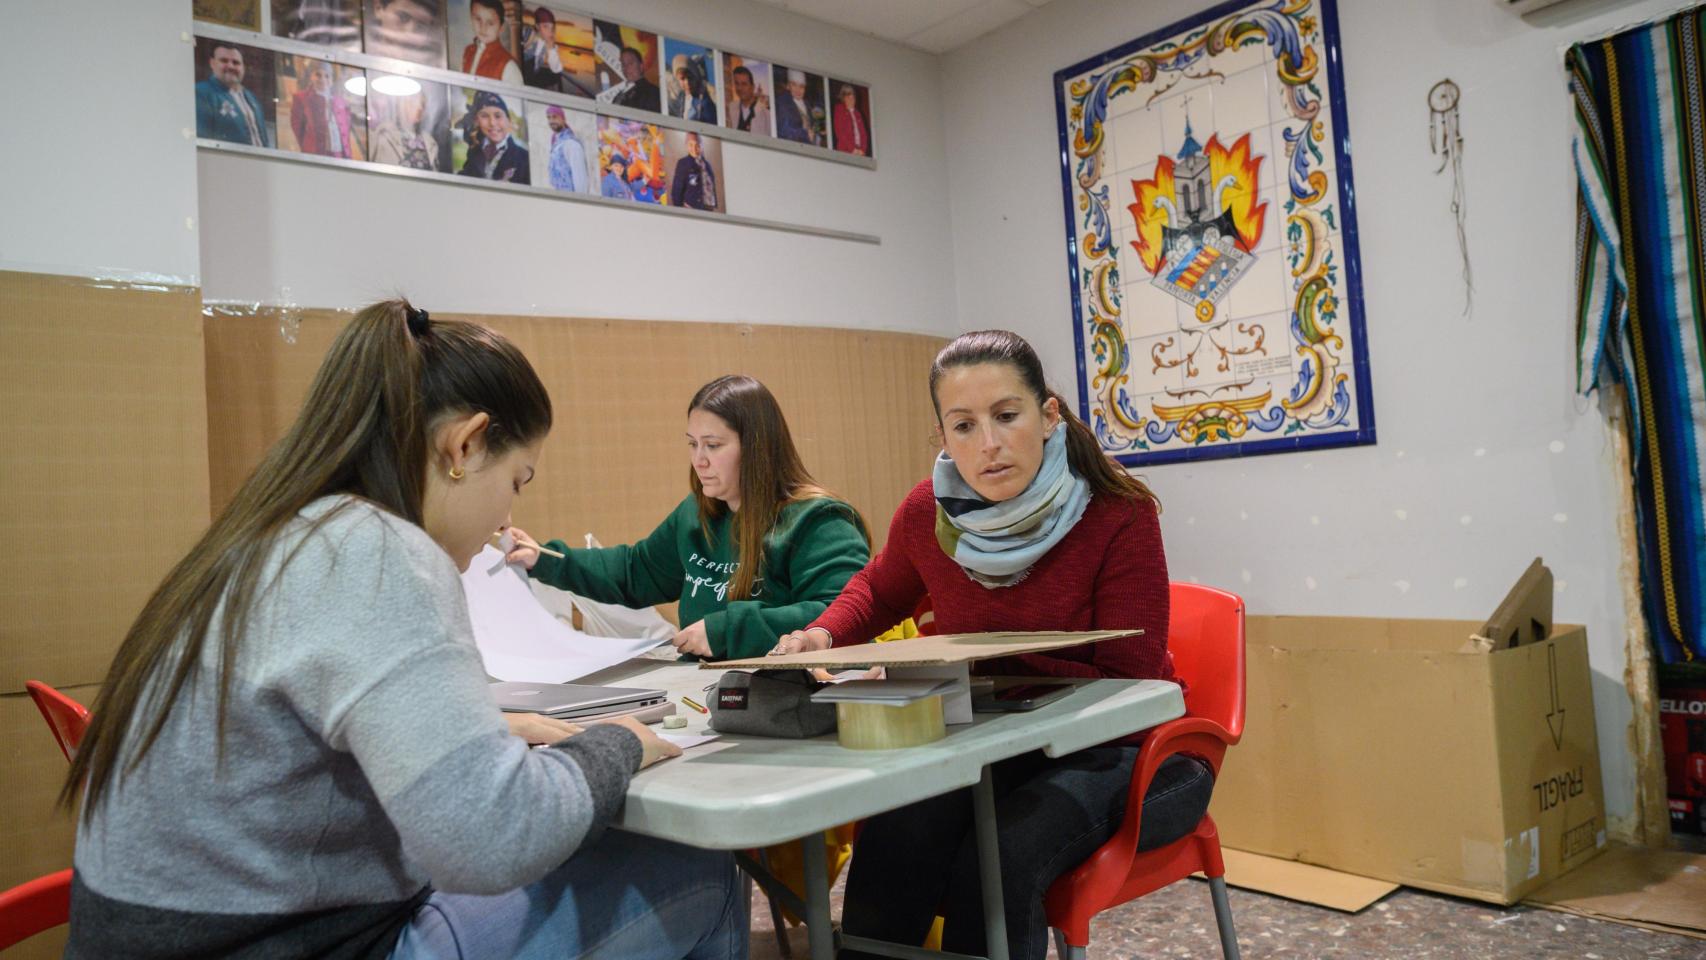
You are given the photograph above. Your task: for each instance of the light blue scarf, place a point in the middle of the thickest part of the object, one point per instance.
(997, 543)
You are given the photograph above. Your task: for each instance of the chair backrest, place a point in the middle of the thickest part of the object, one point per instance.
(34, 907)
(924, 616)
(65, 717)
(1205, 634)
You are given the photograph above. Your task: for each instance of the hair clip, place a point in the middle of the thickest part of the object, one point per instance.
(418, 321)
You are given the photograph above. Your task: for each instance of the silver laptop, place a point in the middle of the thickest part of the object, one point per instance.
(566, 701)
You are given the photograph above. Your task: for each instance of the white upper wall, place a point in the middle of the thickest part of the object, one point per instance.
(286, 232)
(1486, 457)
(97, 176)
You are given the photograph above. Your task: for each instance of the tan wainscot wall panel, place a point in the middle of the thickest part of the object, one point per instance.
(105, 486)
(140, 413)
(616, 463)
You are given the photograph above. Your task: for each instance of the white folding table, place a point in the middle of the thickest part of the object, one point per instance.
(742, 792)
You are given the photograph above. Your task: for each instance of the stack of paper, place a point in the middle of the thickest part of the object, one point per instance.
(520, 640)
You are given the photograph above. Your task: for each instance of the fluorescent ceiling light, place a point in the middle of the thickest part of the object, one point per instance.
(395, 86)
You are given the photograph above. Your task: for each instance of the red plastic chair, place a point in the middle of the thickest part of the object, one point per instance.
(924, 616)
(1206, 636)
(65, 717)
(34, 907)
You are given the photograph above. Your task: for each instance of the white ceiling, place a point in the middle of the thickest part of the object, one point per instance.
(934, 26)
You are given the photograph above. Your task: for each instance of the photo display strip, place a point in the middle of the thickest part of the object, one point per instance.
(524, 49)
(293, 103)
(301, 104)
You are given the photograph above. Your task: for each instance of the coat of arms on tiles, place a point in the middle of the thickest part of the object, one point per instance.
(1211, 237)
(1198, 220)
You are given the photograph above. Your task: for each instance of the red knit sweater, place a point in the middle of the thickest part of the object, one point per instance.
(1108, 572)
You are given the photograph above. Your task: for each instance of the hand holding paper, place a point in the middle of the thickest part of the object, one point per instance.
(693, 640)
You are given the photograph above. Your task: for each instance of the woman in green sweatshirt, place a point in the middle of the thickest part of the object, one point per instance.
(757, 550)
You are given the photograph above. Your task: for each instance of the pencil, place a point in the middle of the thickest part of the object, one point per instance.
(689, 702)
(547, 551)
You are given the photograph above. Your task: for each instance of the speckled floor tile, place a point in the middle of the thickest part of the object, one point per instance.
(1178, 922)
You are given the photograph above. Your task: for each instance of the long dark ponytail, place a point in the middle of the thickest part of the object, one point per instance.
(387, 381)
(1083, 451)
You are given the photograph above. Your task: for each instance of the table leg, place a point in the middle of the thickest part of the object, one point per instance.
(989, 867)
(819, 928)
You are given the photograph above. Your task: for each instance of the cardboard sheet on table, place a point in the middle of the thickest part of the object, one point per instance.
(927, 651)
(520, 640)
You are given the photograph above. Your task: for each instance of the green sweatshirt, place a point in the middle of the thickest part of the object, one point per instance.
(813, 550)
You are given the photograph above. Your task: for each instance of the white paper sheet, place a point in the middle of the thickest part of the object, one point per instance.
(520, 640)
(686, 741)
(598, 619)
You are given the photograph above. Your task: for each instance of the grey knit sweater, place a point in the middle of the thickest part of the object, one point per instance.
(363, 761)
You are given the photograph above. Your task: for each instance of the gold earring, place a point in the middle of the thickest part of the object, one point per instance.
(456, 473)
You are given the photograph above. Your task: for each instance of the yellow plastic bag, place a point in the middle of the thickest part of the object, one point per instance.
(904, 630)
(787, 862)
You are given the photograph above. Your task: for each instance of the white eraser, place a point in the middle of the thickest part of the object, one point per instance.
(674, 723)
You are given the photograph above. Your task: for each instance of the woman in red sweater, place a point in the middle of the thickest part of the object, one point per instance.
(1025, 525)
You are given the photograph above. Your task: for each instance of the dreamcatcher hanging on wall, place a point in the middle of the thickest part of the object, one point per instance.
(1445, 140)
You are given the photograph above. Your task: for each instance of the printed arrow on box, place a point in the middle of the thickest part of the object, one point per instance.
(1555, 718)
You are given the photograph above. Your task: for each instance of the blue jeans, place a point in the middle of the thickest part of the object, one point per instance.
(624, 896)
(913, 863)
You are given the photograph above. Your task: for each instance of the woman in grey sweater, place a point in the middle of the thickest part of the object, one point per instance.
(294, 753)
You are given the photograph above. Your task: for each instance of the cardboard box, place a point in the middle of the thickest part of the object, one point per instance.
(1682, 724)
(1525, 614)
(1395, 749)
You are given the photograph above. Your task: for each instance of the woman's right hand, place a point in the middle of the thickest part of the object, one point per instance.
(802, 641)
(655, 748)
(538, 728)
(526, 549)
